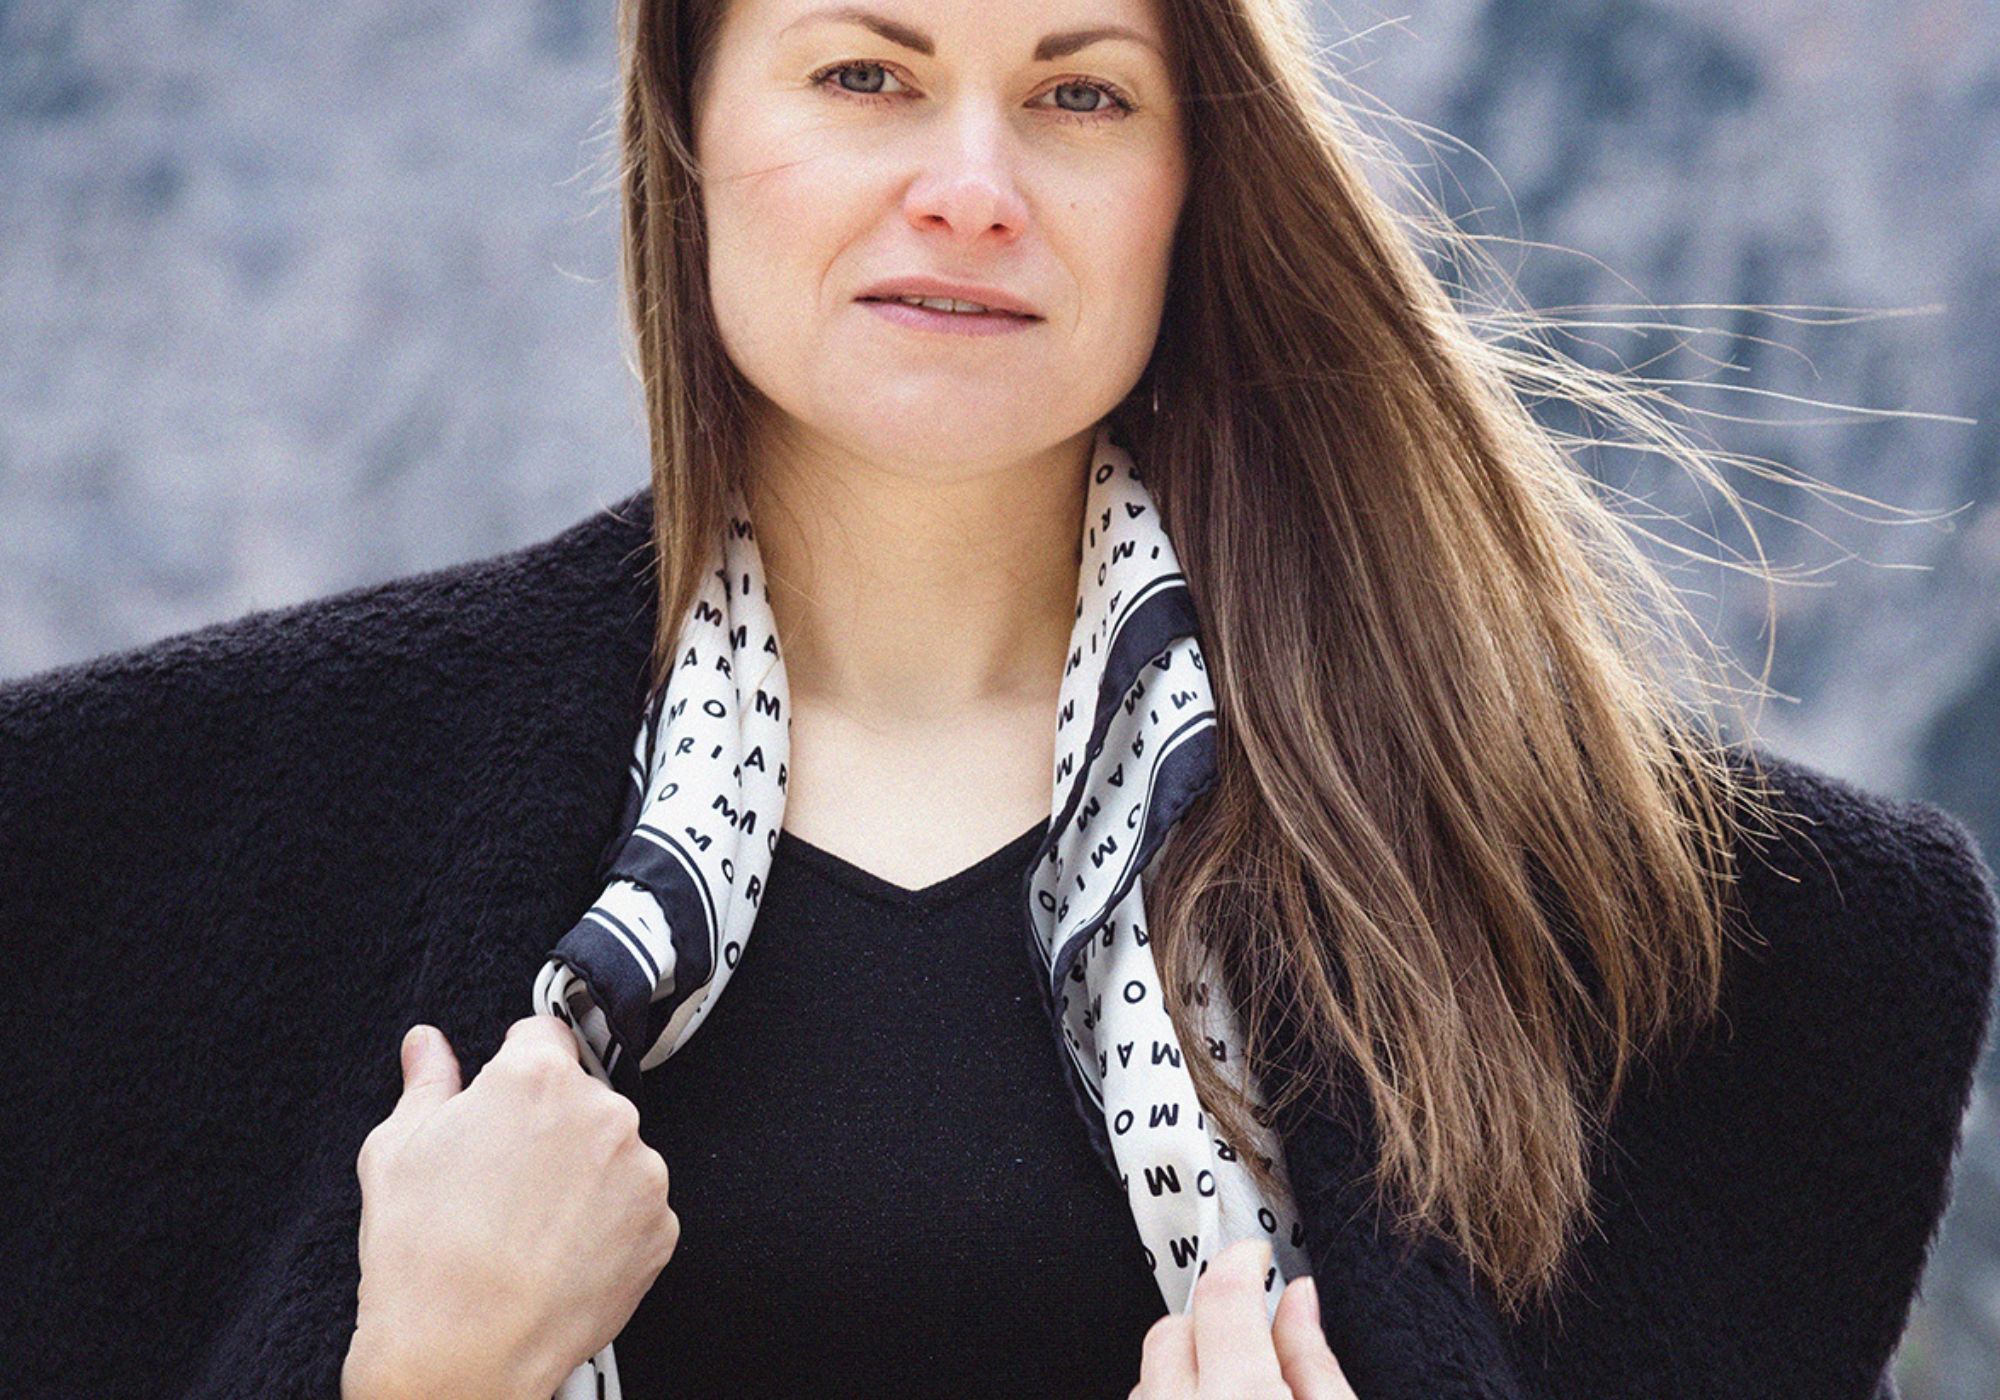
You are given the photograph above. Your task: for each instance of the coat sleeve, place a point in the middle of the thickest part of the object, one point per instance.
(233, 867)
(191, 924)
(1765, 1202)
(1764, 1197)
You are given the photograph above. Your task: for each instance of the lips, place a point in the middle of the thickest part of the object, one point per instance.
(950, 298)
(950, 304)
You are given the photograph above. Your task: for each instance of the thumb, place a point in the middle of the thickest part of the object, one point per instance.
(430, 1069)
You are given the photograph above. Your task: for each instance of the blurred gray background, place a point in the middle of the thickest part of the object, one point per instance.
(300, 296)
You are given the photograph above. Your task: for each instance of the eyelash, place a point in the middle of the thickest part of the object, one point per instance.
(1117, 103)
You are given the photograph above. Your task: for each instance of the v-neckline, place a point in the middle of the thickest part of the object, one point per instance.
(1007, 859)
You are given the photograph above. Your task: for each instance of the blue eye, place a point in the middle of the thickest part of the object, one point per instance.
(1086, 97)
(864, 78)
(1081, 97)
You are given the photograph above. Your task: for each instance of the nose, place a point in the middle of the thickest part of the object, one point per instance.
(968, 186)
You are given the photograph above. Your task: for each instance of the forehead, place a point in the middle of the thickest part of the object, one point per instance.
(1024, 29)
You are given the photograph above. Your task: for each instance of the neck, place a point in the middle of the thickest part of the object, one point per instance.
(903, 596)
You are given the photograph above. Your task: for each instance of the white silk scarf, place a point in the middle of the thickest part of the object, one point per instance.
(1135, 745)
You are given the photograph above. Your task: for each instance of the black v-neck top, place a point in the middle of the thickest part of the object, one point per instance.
(882, 1184)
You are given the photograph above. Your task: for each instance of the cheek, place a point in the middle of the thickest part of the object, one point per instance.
(763, 246)
(1132, 236)
(741, 215)
(735, 266)
(1156, 207)
(1159, 215)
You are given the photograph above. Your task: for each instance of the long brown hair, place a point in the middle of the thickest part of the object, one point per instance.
(1469, 850)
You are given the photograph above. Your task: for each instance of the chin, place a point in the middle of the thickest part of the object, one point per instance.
(928, 432)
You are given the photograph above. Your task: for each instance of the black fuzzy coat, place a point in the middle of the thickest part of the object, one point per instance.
(236, 865)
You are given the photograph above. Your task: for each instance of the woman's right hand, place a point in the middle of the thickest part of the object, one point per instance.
(508, 1229)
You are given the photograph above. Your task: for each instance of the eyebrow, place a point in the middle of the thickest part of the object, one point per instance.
(900, 34)
(1063, 45)
(1052, 47)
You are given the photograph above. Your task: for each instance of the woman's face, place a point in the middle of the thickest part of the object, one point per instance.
(939, 230)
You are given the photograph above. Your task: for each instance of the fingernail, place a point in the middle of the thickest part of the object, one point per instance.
(1311, 1290)
(413, 1042)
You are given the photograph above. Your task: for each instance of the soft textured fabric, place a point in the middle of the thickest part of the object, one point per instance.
(1134, 746)
(234, 866)
(912, 1205)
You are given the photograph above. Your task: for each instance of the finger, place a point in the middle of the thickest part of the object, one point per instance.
(430, 1070)
(1166, 1365)
(536, 1034)
(1232, 1331)
(1310, 1369)
(430, 1077)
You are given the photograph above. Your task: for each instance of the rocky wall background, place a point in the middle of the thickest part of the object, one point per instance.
(295, 297)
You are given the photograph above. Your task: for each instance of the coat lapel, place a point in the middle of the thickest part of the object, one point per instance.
(1405, 1316)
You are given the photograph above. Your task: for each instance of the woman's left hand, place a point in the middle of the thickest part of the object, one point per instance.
(1222, 1347)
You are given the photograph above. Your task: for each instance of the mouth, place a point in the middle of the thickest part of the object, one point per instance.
(951, 305)
(923, 301)
(944, 311)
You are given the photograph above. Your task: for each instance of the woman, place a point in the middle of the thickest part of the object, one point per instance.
(1414, 962)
